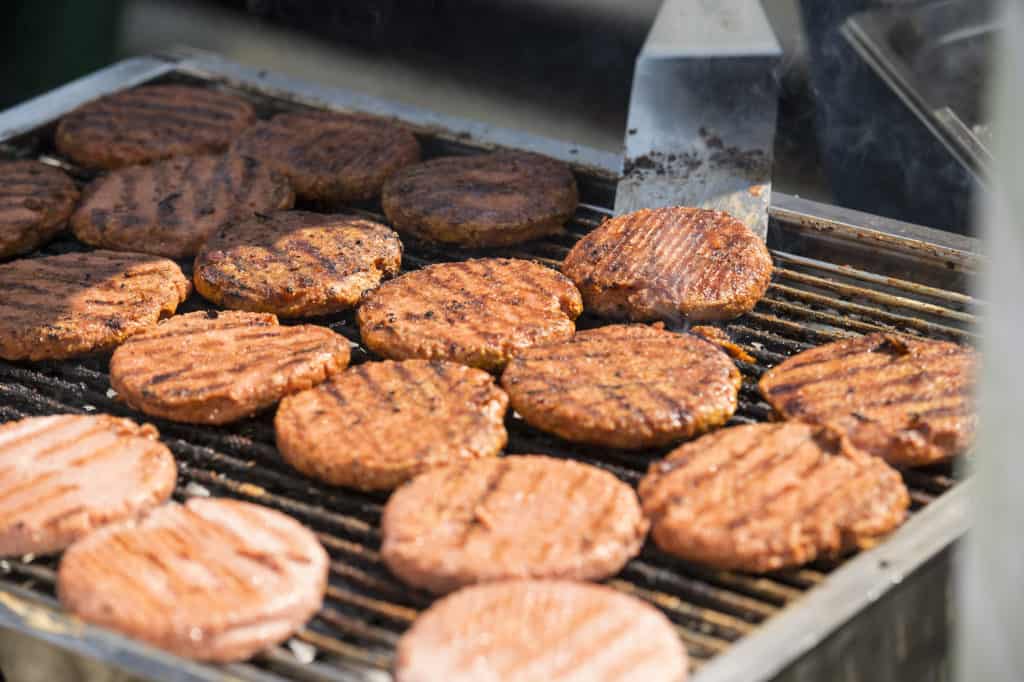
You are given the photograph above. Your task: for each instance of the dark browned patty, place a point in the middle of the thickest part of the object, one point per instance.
(528, 630)
(77, 303)
(214, 580)
(761, 497)
(170, 208)
(477, 312)
(624, 386)
(296, 264)
(150, 123)
(903, 399)
(511, 517)
(487, 200)
(36, 201)
(63, 476)
(377, 425)
(210, 368)
(668, 264)
(329, 156)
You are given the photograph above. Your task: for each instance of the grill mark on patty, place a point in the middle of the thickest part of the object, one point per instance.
(844, 376)
(805, 491)
(491, 489)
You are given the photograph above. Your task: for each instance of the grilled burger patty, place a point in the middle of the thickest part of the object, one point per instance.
(214, 580)
(64, 476)
(551, 630)
(36, 201)
(329, 156)
(377, 425)
(477, 312)
(487, 200)
(171, 207)
(64, 306)
(670, 263)
(210, 368)
(512, 517)
(905, 400)
(149, 123)
(761, 497)
(624, 386)
(295, 263)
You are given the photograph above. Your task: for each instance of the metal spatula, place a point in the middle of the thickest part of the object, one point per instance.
(702, 112)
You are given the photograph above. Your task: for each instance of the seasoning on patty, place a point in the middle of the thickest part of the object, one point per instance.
(670, 264)
(150, 123)
(905, 400)
(59, 307)
(624, 386)
(329, 156)
(36, 201)
(210, 368)
(477, 312)
(295, 263)
(486, 200)
(171, 207)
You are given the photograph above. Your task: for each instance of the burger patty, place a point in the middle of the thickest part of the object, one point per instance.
(210, 368)
(905, 400)
(624, 386)
(550, 630)
(329, 156)
(61, 477)
(377, 425)
(670, 264)
(36, 201)
(214, 580)
(149, 123)
(477, 312)
(295, 264)
(487, 200)
(171, 207)
(761, 497)
(77, 303)
(512, 517)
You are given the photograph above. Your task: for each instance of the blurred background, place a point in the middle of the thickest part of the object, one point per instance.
(563, 69)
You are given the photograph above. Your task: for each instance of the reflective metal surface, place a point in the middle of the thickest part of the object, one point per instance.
(702, 112)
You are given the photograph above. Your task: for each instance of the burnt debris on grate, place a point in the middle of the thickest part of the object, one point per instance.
(366, 609)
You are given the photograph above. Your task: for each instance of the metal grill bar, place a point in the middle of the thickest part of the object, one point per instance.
(366, 609)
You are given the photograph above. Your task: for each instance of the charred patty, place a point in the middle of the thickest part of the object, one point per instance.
(511, 517)
(171, 207)
(61, 477)
(295, 263)
(379, 424)
(552, 630)
(210, 368)
(761, 497)
(77, 303)
(487, 200)
(670, 264)
(149, 123)
(36, 201)
(623, 386)
(328, 156)
(214, 580)
(477, 312)
(903, 399)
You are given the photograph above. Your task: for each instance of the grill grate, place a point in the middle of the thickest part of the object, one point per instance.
(366, 609)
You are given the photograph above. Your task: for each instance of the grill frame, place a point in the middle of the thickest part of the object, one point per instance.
(938, 259)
